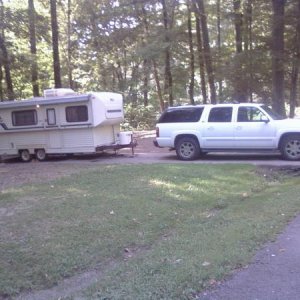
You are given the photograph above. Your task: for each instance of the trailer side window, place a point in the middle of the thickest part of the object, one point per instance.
(51, 118)
(77, 113)
(24, 117)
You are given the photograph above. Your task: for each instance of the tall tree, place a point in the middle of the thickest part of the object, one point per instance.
(6, 64)
(168, 87)
(69, 51)
(1, 86)
(238, 23)
(201, 58)
(2, 32)
(55, 45)
(207, 52)
(240, 91)
(295, 65)
(219, 46)
(32, 37)
(192, 57)
(154, 64)
(4, 59)
(249, 47)
(277, 50)
(146, 60)
(146, 68)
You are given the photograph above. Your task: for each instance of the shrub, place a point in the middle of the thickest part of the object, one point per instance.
(139, 117)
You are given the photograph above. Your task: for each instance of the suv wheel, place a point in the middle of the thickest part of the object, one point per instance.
(290, 147)
(187, 148)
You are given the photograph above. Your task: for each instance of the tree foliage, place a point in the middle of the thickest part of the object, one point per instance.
(154, 52)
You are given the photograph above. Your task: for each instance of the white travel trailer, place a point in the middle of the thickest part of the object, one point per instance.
(62, 122)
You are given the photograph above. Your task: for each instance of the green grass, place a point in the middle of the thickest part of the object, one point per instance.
(158, 232)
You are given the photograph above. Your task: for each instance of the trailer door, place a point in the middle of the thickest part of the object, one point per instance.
(54, 135)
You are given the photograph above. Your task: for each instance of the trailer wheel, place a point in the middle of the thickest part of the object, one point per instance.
(40, 154)
(25, 156)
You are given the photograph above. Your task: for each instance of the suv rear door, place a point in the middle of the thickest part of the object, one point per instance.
(218, 130)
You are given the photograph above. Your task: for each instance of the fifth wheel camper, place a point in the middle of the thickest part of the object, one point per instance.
(62, 122)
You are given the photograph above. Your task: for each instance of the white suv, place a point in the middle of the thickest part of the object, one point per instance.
(193, 130)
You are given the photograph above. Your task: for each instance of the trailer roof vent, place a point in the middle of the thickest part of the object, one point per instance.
(58, 93)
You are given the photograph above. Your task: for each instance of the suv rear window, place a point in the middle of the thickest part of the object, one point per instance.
(220, 114)
(191, 114)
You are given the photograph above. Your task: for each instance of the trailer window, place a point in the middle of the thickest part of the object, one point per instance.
(51, 118)
(77, 113)
(24, 117)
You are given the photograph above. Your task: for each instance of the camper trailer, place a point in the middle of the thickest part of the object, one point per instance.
(62, 122)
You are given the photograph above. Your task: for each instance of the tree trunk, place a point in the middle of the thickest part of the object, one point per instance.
(168, 87)
(238, 23)
(219, 46)
(32, 37)
(207, 52)
(192, 58)
(145, 81)
(295, 67)
(69, 30)
(133, 84)
(152, 61)
(278, 56)
(54, 28)
(1, 86)
(146, 61)
(201, 58)
(4, 59)
(9, 85)
(159, 91)
(1, 32)
(249, 48)
(240, 82)
(120, 77)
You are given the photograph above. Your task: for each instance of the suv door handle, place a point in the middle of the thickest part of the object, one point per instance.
(239, 128)
(210, 128)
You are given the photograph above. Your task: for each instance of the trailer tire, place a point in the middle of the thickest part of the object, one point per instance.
(40, 154)
(25, 155)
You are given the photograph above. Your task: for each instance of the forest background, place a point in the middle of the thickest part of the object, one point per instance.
(157, 53)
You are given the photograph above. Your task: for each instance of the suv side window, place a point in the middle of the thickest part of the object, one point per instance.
(250, 114)
(191, 114)
(220, 114)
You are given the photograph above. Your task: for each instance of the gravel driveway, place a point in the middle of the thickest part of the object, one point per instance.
(13, 172)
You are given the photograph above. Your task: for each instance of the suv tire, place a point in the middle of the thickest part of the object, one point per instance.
(187, 148)
(290, 147)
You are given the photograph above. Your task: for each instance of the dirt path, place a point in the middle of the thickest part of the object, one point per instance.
(69, 288)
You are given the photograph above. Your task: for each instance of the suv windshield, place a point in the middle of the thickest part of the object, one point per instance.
(274, 115)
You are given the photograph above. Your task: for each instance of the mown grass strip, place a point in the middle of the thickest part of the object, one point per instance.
(170, 229)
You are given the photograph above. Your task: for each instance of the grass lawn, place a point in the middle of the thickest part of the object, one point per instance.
(158, 231)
